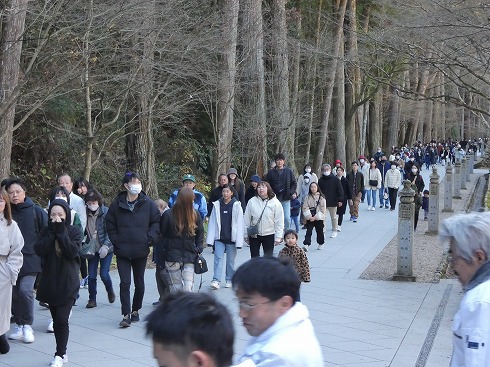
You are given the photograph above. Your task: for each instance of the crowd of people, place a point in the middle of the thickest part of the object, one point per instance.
(42, 248)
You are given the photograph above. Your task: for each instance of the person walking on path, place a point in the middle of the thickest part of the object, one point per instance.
(418, 186)
(392, 181)
(237, 184)
(295, 255)
(283, 184)
(182, 232)
(355, 178)
(265, 213)
(58, 245)
(468, 239)
(225, 232)
(372, 183)
(383, 167)
(364, 169)
(347, 197)
(314, 210)
(331, 188)
(252, 189)
(11, 243)
(132, 225)
(200, 204)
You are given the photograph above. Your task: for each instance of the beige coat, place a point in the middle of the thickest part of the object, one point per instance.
(310, 202)
(11, 243)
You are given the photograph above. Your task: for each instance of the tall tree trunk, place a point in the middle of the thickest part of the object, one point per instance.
(13, 22)
(295, 97)
(443, 107)
(254, 78)
(393, 116)
(223, 132)
(339, 113)
(140, 155)
(312, 82)
(375, 123)
(421, 88)
(89, 144)
(281, 79)
(337, 39)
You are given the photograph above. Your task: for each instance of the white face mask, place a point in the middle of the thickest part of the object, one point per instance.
(326, 173)
(93, 208)
(412, 159)
(414, 170)
(308, 170)
(361, 160)
(135, 189)
(61, 198)
(393, 168)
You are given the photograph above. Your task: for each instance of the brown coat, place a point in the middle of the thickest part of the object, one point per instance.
(298, 259)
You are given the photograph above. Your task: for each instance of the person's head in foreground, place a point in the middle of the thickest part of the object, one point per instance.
(266, 288)
(191, 329)
(468, 237)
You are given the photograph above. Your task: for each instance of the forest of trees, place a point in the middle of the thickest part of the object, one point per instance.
(166, 87)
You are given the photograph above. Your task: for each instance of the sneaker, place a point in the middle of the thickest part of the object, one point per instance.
(320, 247)
(111, 296)
(91, 304)
(84, 282)
(126, 321)
(214, 284)
(58, 361)
(381, 206)
(351, 218)
(50, 328)
(18, 333)
(387, 207)
(354, 219)
(334, 234)
(369, 207)
(28, 334)
(339, 229)
(373, 208)
(44, 304)
(228, 284)
(135, 316)
(305, 248)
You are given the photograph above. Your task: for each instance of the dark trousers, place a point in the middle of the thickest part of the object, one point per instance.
(162, 283)
(83, 268)
(23, 299)
(392, 192)
(60, 315)
(320, 237)
(416, 217)
(4, 344)
(267, 243)
(124, 266)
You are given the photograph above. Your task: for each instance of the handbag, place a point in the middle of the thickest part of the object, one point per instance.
(87, 251)
(385, 194)
(372, 182)
(253, 231)
(200, 264)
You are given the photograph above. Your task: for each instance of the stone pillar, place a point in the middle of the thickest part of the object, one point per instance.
(468, 167)
(472, 162)
(406, 212)
(448, 189)
(457, 180)
(463, 172)
(433, 202)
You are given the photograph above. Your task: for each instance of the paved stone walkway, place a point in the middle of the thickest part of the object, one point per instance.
(358, 322)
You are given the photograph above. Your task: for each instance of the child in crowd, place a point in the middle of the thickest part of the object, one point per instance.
(162, 205)
(296, 255)
(295, 210)
(425, 204)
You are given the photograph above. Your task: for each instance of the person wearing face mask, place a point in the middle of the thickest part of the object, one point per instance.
(96, 230)
(132, 223)
(364, 169)
(331, 187)
(408, 166)
(392, 182)
(377, 156)
(303, 187)
(383, 167)
(418, 186)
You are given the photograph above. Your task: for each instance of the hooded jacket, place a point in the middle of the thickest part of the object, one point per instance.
(58, 246)
(132, 232)
(214, 227)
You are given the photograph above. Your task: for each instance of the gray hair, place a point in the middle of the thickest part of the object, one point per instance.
(468, 233)
(326, 165)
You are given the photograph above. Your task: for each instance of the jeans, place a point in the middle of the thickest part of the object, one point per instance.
(60, 315)
(286, 207)
(124, 266)
(219, 252)
(180, 276)
(295, 220)
(371, 194)
(23, 299)
(267, 243)
(383, 201)
(105, 265)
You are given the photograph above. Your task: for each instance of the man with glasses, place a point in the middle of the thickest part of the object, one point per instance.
(267, 291)
(468, 237)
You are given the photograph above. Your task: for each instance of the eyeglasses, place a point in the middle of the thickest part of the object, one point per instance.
(245, 306)
(452, 259)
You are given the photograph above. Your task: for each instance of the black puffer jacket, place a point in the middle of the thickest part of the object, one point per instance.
(332, 189)
(31, 218)
(132, 232)
(59, 278)
(177, 248)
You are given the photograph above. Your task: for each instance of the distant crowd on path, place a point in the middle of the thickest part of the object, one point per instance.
(49, 260)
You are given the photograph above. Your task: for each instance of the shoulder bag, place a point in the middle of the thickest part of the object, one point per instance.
(372, 182)
(253, 231)
(87, 251)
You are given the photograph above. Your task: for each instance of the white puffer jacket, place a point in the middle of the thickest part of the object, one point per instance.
(393, 178)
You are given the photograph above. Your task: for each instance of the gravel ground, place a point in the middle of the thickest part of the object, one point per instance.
(428, 253)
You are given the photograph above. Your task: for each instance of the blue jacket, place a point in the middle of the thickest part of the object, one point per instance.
(199, 202)
(295, 207)
(132, 232)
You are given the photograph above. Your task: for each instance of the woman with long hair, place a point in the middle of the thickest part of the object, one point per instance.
(11, 243)
(182, 231)
(314, 211)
